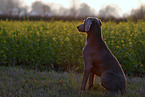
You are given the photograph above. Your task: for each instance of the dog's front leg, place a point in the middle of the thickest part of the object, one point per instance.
(91, 80)
(87, 71)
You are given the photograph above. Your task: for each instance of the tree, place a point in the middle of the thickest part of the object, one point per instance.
(7, 6)
(2, 6)
(85, 10)
(40, 9)
(64, 11)
(109, 11)
(73, 8)
(139, 13)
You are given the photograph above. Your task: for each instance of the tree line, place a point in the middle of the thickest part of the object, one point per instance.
(15, 9)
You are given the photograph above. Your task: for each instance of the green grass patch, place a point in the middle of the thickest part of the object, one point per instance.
(15, 81)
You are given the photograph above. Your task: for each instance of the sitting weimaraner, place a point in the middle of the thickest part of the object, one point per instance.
(99, 60)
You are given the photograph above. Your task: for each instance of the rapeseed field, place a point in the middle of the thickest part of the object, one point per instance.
(58, 45)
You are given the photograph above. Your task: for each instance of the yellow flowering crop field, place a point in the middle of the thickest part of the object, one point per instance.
(58, 45)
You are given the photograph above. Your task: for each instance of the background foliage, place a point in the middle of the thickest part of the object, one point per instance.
(58, 45)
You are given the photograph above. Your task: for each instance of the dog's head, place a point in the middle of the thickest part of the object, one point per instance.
(85, 27)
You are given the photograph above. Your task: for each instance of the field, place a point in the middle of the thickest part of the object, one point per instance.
(39, 58)
(58, 45)
(18, 82)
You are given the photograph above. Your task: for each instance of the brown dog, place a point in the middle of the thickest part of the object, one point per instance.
(99, 60)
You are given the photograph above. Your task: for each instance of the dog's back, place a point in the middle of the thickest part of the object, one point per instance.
(113, 77)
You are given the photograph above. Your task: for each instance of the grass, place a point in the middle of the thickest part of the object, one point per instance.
(15, 81)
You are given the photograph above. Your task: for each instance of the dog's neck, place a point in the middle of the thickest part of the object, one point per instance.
(94, 34)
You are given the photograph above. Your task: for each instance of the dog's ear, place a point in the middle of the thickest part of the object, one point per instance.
(88, 24)
(100, 22)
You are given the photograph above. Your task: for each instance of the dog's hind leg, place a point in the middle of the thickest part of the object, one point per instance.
(107, 81)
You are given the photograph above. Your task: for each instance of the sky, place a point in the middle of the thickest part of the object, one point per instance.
(124, 5)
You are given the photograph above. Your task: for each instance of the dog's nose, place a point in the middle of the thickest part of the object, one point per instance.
(77, 27)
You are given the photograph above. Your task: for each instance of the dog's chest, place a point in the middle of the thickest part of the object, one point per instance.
(89, 49)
